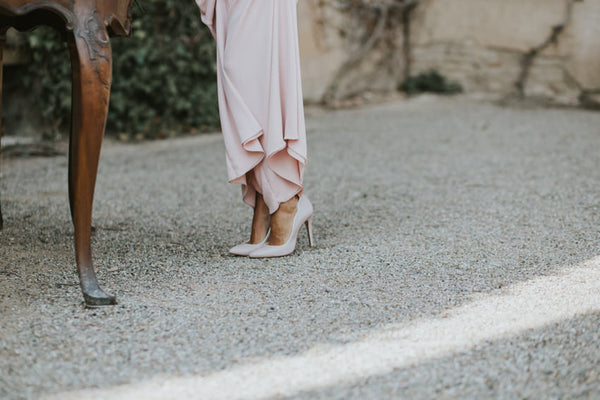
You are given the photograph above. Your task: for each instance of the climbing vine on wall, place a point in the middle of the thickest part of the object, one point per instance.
(373, 19)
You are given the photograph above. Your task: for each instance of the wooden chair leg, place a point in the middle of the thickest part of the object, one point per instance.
(2, 41)
(91, 60)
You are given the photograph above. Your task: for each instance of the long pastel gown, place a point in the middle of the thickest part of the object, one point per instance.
(260, 95)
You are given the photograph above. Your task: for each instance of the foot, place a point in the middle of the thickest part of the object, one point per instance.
(260, 221)
(259, 231)
(285, 225)
(282, 221)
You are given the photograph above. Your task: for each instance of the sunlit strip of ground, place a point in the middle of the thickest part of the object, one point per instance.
(524, 306)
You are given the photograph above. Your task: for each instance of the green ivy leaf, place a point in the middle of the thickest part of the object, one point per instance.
(164, 75)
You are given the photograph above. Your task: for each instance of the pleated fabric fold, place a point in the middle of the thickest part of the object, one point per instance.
(260, 95)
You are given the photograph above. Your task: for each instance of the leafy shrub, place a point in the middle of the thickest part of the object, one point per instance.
(431, 81)
(164, 77)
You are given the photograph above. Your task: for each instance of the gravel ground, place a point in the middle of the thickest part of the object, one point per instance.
(423, 207)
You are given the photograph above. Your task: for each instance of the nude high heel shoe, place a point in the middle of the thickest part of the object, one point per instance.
(304, 213)
(245, 249)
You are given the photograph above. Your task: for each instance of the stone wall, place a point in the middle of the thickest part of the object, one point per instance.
(480, 43)
(329, 35)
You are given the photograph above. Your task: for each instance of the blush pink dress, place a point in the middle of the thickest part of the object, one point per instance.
(260, 95)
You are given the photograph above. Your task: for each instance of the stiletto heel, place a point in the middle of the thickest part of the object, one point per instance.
(309, 232)
(304, 213)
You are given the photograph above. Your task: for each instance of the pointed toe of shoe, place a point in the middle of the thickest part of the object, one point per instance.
(245, 249)
(268, 251)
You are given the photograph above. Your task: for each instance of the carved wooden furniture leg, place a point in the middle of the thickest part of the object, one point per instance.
(92, 69)
(2, 41)
(86, 24)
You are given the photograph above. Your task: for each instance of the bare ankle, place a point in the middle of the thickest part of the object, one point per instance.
(260, 221)
(282, 221)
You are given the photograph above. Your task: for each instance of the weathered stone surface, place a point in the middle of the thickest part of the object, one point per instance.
(474, 66)
(329, 37)
(321, 47)
(582, 44)
(515, 25)
(479, 43)
(482, 44)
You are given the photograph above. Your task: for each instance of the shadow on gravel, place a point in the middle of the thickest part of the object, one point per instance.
(555, 361)
(538, 327)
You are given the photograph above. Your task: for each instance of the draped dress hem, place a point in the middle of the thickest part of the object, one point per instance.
(260, 95)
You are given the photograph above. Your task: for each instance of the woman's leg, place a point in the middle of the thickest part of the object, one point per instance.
(277, 192)
(261, 107)
(281, 222)
(261, 219)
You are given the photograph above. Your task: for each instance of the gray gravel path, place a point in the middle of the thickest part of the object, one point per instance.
(424, 208)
